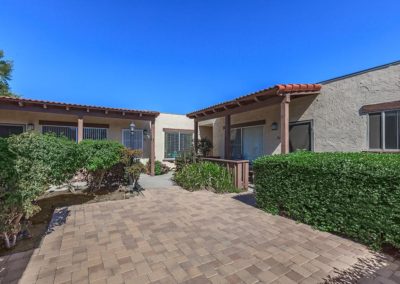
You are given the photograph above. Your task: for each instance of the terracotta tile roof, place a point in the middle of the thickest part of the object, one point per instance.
(277, 90)
(17, 100)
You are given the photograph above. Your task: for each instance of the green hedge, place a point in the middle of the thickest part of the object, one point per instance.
(352, 194)
(205, 175)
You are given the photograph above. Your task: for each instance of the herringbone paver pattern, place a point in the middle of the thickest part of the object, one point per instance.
(174, 236)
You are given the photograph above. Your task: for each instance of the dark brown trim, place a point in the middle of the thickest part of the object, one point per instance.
(178, 130)
(381, 107)
(67, 123)
(248, 124)
(77, 113)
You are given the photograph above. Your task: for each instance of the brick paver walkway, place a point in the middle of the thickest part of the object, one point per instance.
(173, 236)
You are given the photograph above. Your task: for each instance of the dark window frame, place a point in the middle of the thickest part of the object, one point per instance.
(310, 122)
(16, 125)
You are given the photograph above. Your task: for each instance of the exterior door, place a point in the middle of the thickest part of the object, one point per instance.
(300, 136)
(252, 143)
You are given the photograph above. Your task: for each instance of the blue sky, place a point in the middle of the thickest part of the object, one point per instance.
(177, 56)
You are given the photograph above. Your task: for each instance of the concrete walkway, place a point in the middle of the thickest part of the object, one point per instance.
(169, 235)
(161, 181)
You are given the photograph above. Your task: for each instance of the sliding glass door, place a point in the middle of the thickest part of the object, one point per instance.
(247, 143)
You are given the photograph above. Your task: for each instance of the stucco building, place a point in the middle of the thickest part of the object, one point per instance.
(160, 136)
(356, 112)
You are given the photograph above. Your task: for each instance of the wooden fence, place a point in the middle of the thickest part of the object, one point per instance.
(238, 168)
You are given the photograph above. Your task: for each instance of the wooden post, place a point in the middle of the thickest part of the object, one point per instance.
(196, 135)
(285, 124)
(80, 129)
(152, 147)
(227, 137)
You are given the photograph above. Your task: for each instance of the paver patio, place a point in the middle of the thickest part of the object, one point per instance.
(169, 235)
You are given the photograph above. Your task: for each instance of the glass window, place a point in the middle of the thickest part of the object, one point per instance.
(132, 140)
(67, 131)
(247, 142)
(300, 136)
(384, 133)
(176, 142)
(391, 130)
(94, 133)
(236, 143)
(375, 131)
(6, 130)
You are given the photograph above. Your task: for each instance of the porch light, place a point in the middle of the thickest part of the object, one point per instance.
(274, 126)
(146, 133)
(30, 127)
(132, 126)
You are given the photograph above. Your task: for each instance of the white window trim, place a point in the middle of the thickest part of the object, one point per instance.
(179, 140)
(122, 136)
(383, 133)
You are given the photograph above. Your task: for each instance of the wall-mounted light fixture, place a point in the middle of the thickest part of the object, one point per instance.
(146, 134)
(132, 127)
(30, 127)
(274, 126)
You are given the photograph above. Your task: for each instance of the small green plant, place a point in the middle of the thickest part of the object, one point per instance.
(99, 156)
(159, 168)
(351, 194)
(185, 158)
(133, 166)
(205, 175)
(204, 146)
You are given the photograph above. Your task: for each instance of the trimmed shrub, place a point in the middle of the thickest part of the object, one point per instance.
(99, 156)
(205, 175)
(352, 194)
(133, 165)
(29, 163)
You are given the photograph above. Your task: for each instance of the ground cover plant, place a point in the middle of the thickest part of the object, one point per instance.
(352, 194)
(159, 168)
(205, 175)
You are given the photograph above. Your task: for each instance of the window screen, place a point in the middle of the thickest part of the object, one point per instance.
(94, 133)
(300, 136)
(6, 130)
(132, 140)
(176, 142)
(375, 131)
(67, 131)
(391, 130)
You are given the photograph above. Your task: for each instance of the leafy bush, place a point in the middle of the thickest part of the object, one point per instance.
(204, 146)
(30, 162)
(133, 166)
(185, 158)
(205, 175)
(159, 168)
(351, 194)
(99, 156)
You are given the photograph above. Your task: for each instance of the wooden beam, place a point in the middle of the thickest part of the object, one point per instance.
(75, 112)
(285, 124)
(153, 147)
(227, 137)
(244, 108)
(196, 135)
(80, 129)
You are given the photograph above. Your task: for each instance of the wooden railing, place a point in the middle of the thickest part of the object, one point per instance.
(238, 168)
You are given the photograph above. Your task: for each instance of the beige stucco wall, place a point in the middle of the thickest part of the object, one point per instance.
(337, 122)
(167, 120)
(114, 132)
